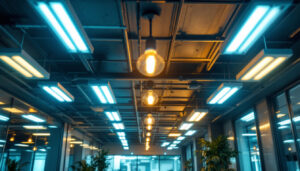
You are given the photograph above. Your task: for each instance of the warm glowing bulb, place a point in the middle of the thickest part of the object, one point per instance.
(150, 100)
(150, 64)
(149, 127)
(149, 121)
(148, 134)
(147, 139)
(72, 145)
(12, 139)
(34, 148)
(29, 140)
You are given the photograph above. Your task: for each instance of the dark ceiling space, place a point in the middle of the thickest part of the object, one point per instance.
(189, 36)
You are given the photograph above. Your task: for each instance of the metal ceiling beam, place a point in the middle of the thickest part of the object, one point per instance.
(32, 26)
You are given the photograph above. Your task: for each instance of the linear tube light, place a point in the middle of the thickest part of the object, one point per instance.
(4, 118)
(12, 110)
(165, 144)
(63, 21)
(118, 126)
(34, 127)
(126, 148)
(21, 145)
(176, 142)
(263, 63)
(190, 133)
(249, 117)
(256, 20)
(104, 93)
(113, 115)
(223, 93)
(180, 138)
(22, 62)
(196, 115)
(46, 134)
(174, 134)
(185, 126)
(33, 118)
(57, 91)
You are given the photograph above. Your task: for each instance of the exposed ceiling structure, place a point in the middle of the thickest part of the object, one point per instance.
(189, 36)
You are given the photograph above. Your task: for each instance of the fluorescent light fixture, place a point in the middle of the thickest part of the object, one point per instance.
(57, 91)
(173, 145)
(185, 126)
(52, 126)
(43, 150)
(2, 141)
(33, 118)
(263, 63)
(122, 138)
(176, 142)
(279, 115)
(34, 127)
(113, 115)
(170, 148)
(249, 135)
(61, 18)
(223, 93)
(121, 134)
(21, 145)
(2, 103)
(196, 115)
(165, 144)
(22, 62)
(118, 126)
(41, 134)
(104, 93)
(258, 17)
(180, 138)
(174, 134)
(249, 117)
(12, 110)
(288, 141)
(4, 118)
(126, 148)
(76, 142)
(190, 133)
(283, 127)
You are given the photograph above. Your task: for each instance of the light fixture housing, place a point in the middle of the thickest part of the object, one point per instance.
(113, 115)
(185, 126)
(149, 120)
(34, 127)
(104, 92)
(190, 132)
(165, 144)
(196, 115)
(21, 61)
(253, 23)
(224, 92)
(33, 118)
(13, 110)
(57, 91)
(249, 117)
(4, 118)
(174, 134)
(180, 138)
(41, 134)
(263, 63)
(150, 98)
(118, 126)
(63, 21)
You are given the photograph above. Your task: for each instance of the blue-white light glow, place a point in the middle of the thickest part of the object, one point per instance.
(57, 93)
(104, 94)
(69, 26)
(165, 144)
(107, 94)
(219, 95)
(61, 94)
(229, 94)
(118, 126)
(55, 26)
(249, 117)
(4, 118)
(51, 92)
(180, 138)
(109, 115)
(116, 116)
(190, 133)
(99, 94)
(33, 118)
(256, 24)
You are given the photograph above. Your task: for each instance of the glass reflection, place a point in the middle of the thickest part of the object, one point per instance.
(249, 156)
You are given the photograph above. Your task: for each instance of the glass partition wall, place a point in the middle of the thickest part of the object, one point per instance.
(27, 136)
(247, 143)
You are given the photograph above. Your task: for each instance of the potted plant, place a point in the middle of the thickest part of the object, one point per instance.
(14, 165)
(100, 161)
(215, 155)
(83, 166)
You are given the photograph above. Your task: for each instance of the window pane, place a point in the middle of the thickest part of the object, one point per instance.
(289, 158)
(249, 157)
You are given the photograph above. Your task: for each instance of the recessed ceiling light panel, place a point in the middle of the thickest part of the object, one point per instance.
(223, 93)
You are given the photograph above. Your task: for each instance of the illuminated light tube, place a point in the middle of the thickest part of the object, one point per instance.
(170, 148)
(126, 148)
(165, 144)
(122, 138)
(258, 17)
(63, 21)
(223, 93)
(176, 142)
(4, 118)
(263, 63)
(249, 135)
(22, 62)
(34, 127)
(121, 134)
(12, 110)
(21, 145)
(174, 134)
(196, 115)
(113, 115)
(33, 118)
(249, 117)
(173, 145)
(57, 91)
(76, 142)
(180, 138)
(185, 126)
(41, 134)
(190, 133)
(104, 93)
(118, 126)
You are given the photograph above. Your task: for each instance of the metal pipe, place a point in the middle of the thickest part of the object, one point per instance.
(31, 26)
(136, 111)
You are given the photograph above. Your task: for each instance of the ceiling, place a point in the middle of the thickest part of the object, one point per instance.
(189, 37)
